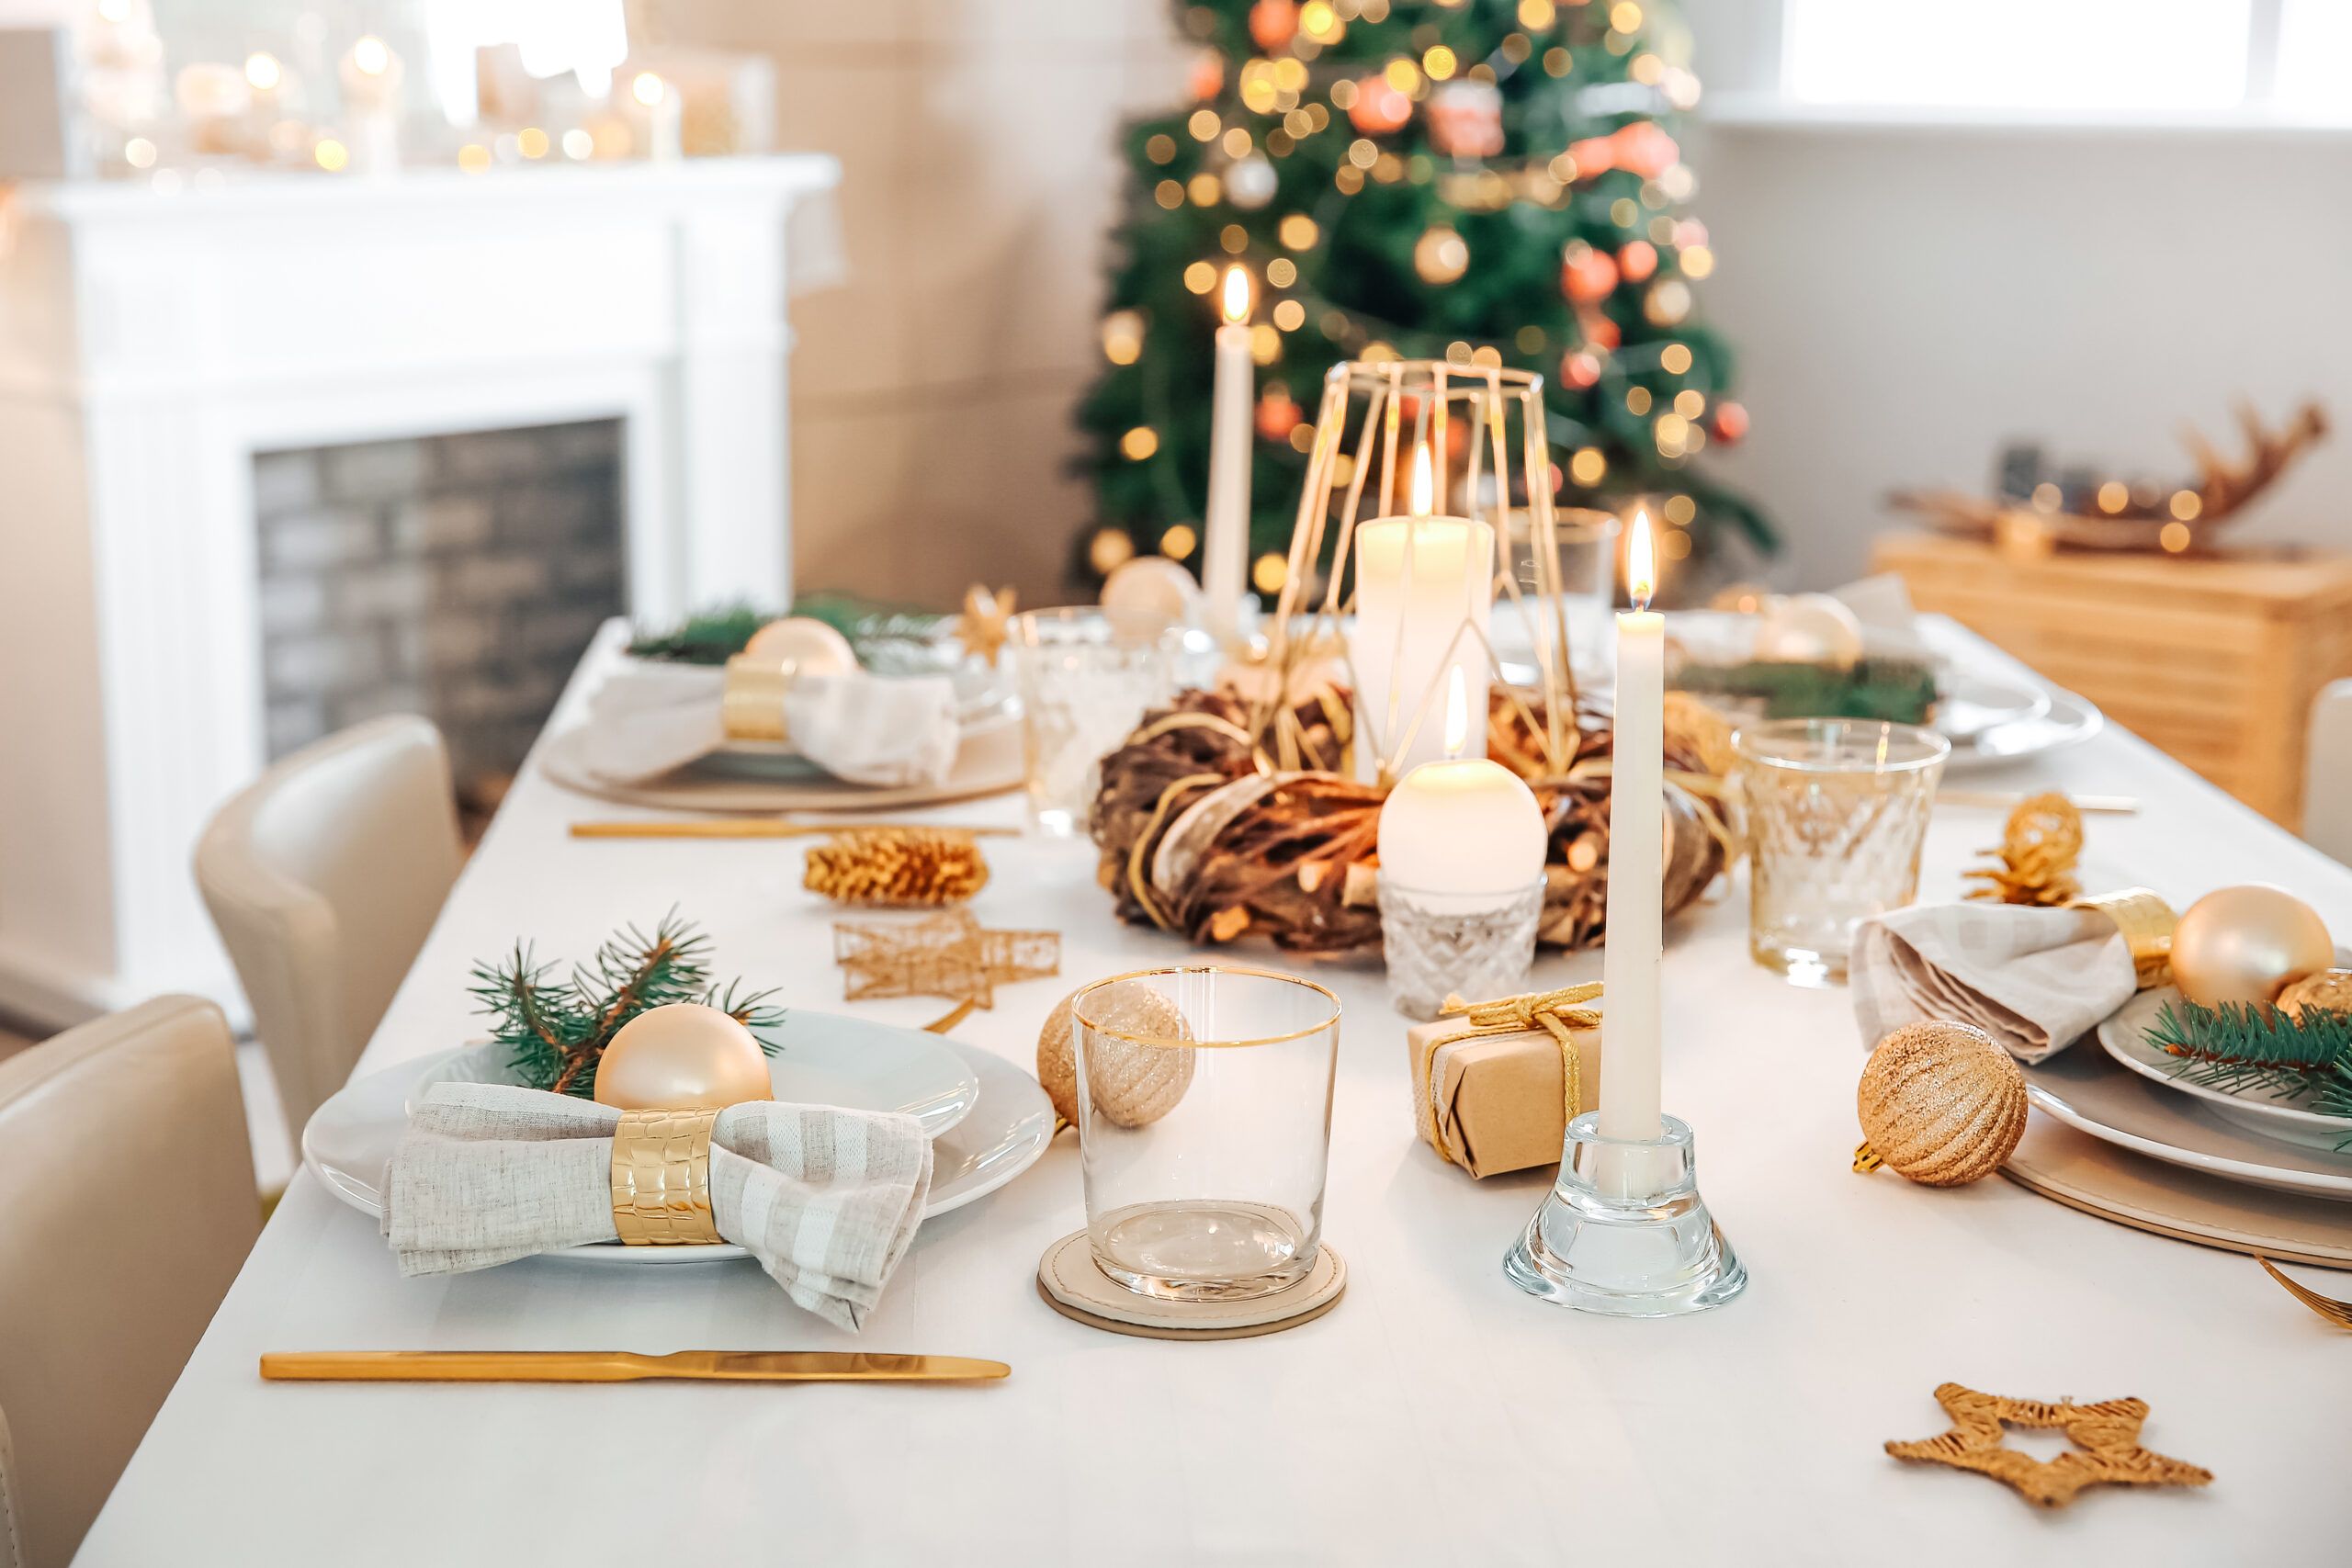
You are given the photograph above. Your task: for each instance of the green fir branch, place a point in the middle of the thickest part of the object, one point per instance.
(555, 1031)
(2260, 1049)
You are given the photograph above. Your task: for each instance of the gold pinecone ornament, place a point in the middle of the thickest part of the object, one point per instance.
(1940, 1104)
(922, 867)
(2041, 846)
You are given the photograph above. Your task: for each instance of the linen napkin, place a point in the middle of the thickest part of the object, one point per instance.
(2036, 980)
(870, 729)
(827, 1200)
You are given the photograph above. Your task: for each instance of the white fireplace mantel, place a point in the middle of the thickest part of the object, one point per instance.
(151, 342)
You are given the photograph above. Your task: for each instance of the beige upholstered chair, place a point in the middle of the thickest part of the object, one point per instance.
(130, 1207)
(325, 878)
(2327, 780)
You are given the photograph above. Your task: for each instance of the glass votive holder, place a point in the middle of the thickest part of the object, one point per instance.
(1204, 1127)
(1584, 555)
(1085, 676)
(1837, 811)
(1477, 946)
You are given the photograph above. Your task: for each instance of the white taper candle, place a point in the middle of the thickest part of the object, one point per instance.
(1226, 552)
(1633, 940)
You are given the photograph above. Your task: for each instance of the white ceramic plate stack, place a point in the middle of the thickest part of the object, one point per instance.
(2242, 1135)
(988, 1120)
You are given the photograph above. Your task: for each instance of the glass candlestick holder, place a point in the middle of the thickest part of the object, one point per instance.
(1474, 946)
(1625, 1232)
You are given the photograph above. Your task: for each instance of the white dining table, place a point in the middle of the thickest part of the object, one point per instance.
(1437, 1416)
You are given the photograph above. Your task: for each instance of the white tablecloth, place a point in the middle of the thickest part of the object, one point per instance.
(1437, 1417)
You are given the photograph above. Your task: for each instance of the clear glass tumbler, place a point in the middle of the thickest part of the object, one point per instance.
(1204, 1127)
(1584, 550)
(1085, 676)
(1837, 810)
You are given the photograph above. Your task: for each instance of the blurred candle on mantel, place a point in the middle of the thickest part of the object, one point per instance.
(1419, 580)
(664, 112)
(1228, 522)
(371, 74)
(1633, 941)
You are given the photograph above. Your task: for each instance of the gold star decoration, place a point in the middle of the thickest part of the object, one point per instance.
(950, 955)
(2106, 1437)
(982, 625)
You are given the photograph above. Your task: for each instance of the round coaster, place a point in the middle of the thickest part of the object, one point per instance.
(1070, 1282)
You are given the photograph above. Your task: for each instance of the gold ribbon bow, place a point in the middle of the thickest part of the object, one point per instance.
(661, 1176)
(1553, 1012)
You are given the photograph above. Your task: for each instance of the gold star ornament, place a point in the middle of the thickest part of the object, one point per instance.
(2106, 1437)
(986, 614)
(951, 955)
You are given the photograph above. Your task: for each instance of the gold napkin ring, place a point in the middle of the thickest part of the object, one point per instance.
(661, 1177)
(2146, 922)
(751, 707)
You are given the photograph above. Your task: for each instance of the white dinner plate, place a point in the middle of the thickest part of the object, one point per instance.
(1969, 704)
(825, 1059)
(2124, 1035)
(2091, 1094)
(2069, 721)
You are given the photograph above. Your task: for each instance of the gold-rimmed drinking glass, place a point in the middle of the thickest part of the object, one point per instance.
(1204, 1127)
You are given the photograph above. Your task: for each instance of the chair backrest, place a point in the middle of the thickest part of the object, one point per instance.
(325, 878)
(2327, 777)
(130, 1207)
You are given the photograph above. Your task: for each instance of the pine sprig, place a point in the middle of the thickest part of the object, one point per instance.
(716, 634)
(2235, 1049)
(555, 1031)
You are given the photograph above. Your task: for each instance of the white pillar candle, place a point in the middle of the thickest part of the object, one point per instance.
(1419, 579)
(1633, 940)
(664, 115)
(371, 74)
(1464, 834)
(1226, 553)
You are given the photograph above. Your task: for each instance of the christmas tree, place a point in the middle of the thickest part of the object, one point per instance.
(1492, 182)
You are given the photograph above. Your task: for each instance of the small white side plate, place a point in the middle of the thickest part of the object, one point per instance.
(2069, 721)
(2124, 1035)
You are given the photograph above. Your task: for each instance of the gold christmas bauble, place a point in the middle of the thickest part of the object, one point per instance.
(2245, 944)
(1808, 629)
(811, 647)
(1132, 1085)
(1940, 1103)
(2330, 990)
(684, 1056)
(1153, 585)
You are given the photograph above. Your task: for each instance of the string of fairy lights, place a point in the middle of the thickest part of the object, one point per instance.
(1295, 96)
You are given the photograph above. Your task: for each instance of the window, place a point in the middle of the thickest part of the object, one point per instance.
(2188, 59)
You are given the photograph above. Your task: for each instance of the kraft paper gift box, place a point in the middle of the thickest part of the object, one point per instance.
(1495, 1083)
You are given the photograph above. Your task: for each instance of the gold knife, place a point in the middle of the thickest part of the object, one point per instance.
(760, 828)
(620, 1366)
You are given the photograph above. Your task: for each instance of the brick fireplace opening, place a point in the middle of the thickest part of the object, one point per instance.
(456, 576)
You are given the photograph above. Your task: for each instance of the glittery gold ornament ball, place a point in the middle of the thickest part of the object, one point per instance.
(1940, 1103)
(682, 1057)
(2245, 944)
(2330, 990)
(1132, 1085)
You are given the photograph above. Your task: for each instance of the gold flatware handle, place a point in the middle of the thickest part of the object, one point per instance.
(758, 828)
(620, 1366)
(1998, 800)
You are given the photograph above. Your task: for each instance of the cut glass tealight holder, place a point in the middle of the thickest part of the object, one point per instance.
(1452, 944)
(1625, 1232)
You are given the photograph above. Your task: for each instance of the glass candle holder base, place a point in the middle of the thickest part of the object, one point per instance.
(1435, 949)
(1625, 1232)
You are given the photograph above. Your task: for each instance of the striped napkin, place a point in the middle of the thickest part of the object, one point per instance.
(2036, 980)
(827, 1200)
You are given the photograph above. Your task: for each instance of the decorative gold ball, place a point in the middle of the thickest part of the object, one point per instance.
(2330, 990)
(2245, 944)
(1132, 1085)
(811, 647)
(684, 1056)
(1153, 585)
(1940, 1103)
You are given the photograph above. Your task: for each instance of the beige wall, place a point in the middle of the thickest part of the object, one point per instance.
(931, 396)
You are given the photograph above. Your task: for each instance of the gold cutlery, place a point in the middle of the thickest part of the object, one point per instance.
(2335, 1312)
(1997, 800)
(759, 828)
(620, 1366)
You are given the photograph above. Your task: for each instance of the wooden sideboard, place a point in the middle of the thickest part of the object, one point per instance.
(2214, 658)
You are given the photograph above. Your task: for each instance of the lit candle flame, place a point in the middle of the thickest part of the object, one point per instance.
(1457, 715)
(1421, 494)
(371, 56)
(1237, 295)
(1641, 563)
(648, 88)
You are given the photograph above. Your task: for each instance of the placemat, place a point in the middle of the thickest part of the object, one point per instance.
(1069, 1281)
(2081, 1172)
(989, 763)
